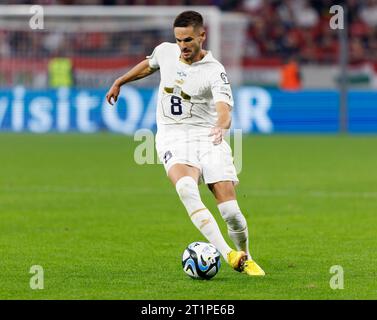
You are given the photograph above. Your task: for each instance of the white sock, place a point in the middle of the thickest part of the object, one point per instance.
(188, 192)
(237, 225)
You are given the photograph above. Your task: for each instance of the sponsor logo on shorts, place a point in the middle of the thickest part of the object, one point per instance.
(167, 156)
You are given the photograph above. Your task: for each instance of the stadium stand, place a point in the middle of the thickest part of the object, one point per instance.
(300, 31)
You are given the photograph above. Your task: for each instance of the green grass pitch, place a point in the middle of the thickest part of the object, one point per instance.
(103, 227)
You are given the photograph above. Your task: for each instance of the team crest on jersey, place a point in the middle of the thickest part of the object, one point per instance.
(224, 77)
(181, 74)
(167, 156)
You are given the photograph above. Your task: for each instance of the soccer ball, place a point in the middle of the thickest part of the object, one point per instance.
(201, 260)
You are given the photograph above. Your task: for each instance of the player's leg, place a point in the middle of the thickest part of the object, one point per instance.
(231, 213)
(219, 173)
(225, 195)
(185, 178)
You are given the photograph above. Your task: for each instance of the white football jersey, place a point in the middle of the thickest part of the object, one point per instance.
(188, 93)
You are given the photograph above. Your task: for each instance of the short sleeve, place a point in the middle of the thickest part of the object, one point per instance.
(220, 87)
(153, 58)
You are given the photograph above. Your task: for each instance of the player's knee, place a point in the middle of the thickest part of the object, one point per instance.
(188, 192)
(232, 215)
(186, 187)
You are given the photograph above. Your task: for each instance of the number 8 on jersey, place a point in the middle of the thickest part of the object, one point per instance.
(175, 107)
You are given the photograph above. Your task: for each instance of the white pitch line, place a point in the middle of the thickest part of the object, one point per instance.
(141, 190)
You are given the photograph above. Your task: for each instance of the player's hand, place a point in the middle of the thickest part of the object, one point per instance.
(218, 135)
(112, 94)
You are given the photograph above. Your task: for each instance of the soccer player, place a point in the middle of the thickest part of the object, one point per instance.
(193, 114)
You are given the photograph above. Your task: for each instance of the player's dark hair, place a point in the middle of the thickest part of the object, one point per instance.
(189, 18)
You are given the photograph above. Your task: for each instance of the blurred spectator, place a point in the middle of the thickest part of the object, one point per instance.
(5, 49)
(290, 78)
(369, 13)
(305, 15)
(252, 5)
(60, 72)
(357, 51)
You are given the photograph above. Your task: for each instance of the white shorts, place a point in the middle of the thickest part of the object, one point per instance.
(215, 162)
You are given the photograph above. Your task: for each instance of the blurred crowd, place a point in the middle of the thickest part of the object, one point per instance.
(276, 30)
(45, 44)
(301, 28)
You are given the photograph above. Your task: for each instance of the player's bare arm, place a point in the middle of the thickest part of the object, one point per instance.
(141, 70)
(223, 122)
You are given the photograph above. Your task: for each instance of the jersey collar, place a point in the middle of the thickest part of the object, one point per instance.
(205, 59)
